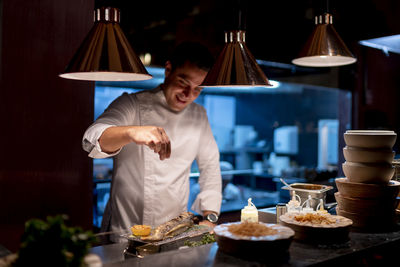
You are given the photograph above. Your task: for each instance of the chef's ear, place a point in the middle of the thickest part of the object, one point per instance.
(168, 68)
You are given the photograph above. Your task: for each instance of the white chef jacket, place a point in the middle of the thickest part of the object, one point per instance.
(145, 189)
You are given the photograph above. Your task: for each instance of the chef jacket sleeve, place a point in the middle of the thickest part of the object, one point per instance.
(210, 180)
(119, 113)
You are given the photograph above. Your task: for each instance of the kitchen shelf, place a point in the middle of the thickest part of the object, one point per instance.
(244, 150)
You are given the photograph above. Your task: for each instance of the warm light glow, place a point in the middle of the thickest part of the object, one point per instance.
(273, 84)
(324, 61)
(105, 76)
(235, 66)
(324, 47)
(146, 59)
(105, 54)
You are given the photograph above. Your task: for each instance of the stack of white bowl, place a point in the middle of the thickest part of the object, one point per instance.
(367, 195)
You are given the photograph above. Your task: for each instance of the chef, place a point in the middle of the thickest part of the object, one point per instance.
(154, 137)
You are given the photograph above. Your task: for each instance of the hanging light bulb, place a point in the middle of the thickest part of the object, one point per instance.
(324, 48)
(235, 66)
(105, 54)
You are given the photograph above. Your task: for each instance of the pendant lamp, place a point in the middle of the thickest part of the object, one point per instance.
(324, 48)
(235, 66)
(105, 54)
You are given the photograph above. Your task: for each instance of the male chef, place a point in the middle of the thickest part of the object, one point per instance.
(154, 136)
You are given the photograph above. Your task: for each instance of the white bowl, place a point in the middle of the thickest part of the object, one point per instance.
(370, 138)
(365, 155)
(369, 173)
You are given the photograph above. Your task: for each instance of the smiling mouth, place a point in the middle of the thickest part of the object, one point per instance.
(180, 100)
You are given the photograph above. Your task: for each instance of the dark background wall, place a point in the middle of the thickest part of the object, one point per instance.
(43, 170)
(276, 30)
(377, 91)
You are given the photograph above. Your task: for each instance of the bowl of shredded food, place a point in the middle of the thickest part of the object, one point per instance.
(317, 228)
(253, 240)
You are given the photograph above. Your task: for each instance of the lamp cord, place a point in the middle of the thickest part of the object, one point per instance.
(241, 13)
(327, 6)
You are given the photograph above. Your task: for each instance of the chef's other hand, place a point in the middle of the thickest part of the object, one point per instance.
(153, 137)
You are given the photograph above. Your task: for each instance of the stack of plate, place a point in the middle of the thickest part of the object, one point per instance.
(367, 195)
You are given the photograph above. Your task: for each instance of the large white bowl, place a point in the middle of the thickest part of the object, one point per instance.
(370, 138)
(369, 173)
(365, 155)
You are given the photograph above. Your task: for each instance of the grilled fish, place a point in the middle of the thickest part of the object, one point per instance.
(171, 228)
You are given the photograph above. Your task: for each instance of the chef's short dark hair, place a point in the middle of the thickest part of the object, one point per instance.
(192, 52)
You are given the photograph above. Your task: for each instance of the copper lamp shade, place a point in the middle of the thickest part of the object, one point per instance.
(324, 48)
(105, 54)
(235, 66)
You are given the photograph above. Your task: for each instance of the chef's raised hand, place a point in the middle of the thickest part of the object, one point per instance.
(154, 137)
(114, 138)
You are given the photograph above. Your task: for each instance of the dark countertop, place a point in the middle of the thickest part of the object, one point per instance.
(361, 248)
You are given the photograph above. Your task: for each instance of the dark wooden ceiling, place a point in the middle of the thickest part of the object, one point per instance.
(276, 30)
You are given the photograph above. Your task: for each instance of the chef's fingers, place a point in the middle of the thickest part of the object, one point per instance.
(168, 149)
(153, 146)
(162, 152)
(158, 147)
(165, 151)
(163, 135)
(160, 137)
(159, 142)
(167, 146)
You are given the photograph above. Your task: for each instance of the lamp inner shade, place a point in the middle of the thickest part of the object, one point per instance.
(324, 48)
(235, 65)
(105, 76)
(324, 61)
(105, 54)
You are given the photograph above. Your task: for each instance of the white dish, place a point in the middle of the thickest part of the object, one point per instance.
(370, 139)
(369, 173)
(365, 155)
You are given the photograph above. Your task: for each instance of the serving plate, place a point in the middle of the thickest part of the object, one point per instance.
(317, 233)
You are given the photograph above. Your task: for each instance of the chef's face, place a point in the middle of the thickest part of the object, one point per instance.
(181, 85)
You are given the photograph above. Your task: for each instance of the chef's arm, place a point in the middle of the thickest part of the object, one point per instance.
(114, 138)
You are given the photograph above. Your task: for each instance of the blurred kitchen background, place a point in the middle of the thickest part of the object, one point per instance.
(289, 130)
(292, 130)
